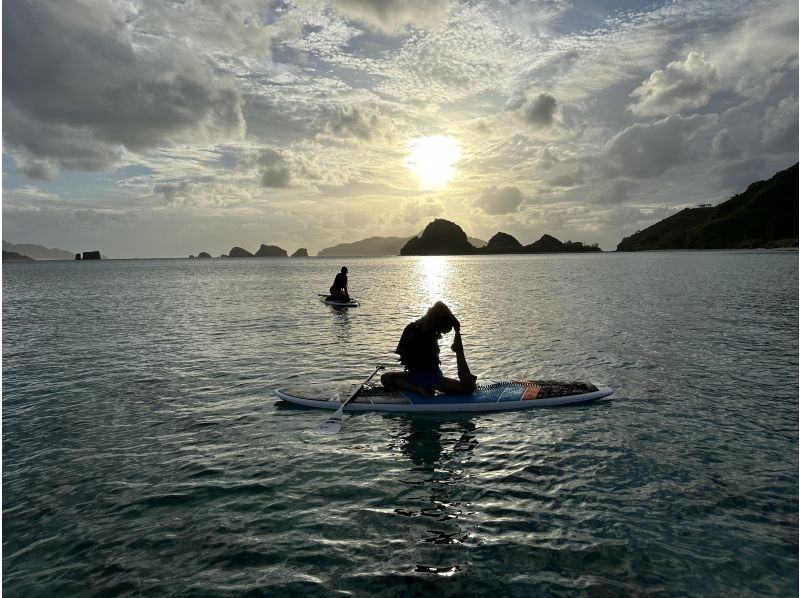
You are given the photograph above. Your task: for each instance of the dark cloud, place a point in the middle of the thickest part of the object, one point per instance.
(737, 175)
(274, 170)
(616, 192)
(78, 90)
(643, 151)
(172, 193)
(540, 110)
(352, 122)
(37, 169)
(499, 201)
(568, 179)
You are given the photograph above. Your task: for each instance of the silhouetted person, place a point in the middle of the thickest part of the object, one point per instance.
(338, 289)
(419, 353)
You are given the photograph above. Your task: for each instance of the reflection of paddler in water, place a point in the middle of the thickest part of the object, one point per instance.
(419, 353)
(423, 438)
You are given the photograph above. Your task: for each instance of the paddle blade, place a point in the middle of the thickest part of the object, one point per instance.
(333, 424)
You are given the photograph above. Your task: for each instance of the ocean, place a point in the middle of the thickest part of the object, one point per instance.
(144, 452)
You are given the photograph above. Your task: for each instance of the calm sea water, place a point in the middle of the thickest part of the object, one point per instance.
(144, 452)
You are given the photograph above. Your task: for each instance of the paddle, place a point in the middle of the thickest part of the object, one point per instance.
(334, 423)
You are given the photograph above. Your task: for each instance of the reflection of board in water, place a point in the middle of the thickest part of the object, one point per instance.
(489, 395)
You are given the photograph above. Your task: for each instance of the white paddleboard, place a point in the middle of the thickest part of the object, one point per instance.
(338, 302)
(490, 395)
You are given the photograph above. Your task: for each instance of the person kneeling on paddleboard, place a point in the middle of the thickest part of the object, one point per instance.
(419, 353)
(338, 289)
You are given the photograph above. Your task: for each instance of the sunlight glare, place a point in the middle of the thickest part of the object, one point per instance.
(434, 271)
(432, 159)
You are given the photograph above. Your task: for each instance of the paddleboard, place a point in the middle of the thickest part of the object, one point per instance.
(338, 302)
(490, 395)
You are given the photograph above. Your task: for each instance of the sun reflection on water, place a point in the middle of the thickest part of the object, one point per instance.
(434, 275)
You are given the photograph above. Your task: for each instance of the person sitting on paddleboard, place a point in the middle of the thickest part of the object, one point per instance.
(419, 353)
(338, 289)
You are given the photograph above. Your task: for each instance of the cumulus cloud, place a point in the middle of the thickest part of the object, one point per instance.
(354, 122)
(497, 201)
(642, 151)
(540, 110)
(79, 90)
(680, 86)
(392, 16)
(274, 170)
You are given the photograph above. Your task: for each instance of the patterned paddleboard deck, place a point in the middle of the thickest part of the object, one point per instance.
(504, 395)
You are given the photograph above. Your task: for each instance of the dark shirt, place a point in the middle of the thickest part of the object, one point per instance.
(418, 348)
(340, 282)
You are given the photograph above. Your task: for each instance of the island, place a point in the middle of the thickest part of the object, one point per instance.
(442, 237)
(270, 251)
(302, 252)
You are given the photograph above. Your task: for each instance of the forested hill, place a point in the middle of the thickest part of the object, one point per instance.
(765, 215)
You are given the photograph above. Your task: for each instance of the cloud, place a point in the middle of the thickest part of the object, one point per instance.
(539, 111)
(79, 89)
(759, 54)
(680, 86)
(568, 179)
(616, 192)
(419, 212)
(392, 16)
(43, 170)
(642, 151)
(273, 169)
(354, 122)
(173, 194)
(723, 146)
(496, 201)
(737, 175)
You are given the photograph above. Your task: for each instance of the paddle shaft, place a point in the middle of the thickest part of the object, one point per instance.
(361, 386)
(334, 423)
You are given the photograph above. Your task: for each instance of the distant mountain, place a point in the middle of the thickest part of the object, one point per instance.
(302, 252)
(38, 252)
(377, 247)
(13, 256)
(371, 247)
(764, 215)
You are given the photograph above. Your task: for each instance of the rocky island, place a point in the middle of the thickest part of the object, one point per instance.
(442, 237)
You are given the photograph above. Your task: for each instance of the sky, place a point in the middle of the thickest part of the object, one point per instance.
(146, 128)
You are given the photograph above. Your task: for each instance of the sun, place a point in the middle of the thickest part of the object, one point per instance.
(432, 159)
